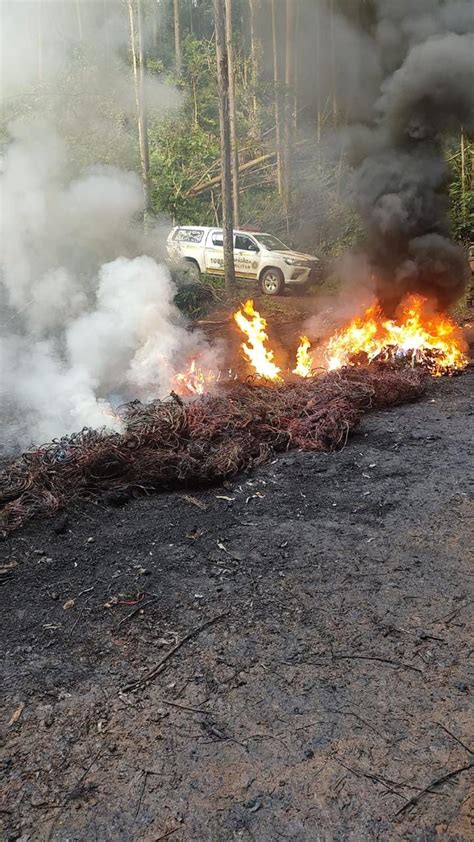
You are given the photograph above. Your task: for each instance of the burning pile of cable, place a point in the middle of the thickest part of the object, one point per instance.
(418, 336)
(173, 443)
(372, 363)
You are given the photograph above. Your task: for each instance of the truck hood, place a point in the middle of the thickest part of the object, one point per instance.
(296, 255)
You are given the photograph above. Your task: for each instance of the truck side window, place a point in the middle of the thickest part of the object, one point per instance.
(243, 243)
(217, 240)
(185, 235)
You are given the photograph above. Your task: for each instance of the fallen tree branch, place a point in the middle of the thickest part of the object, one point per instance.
(203, 187)
(450, 733)
(169, 833)
(387, 782)
(156, 670)
(376, 658)
(214, 182)
(437, 782)
(185, 707)
(135, 612)
(242, 151)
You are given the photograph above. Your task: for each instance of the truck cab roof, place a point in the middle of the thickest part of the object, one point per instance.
(205, 229)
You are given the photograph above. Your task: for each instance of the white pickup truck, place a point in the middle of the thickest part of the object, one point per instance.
(257, 257)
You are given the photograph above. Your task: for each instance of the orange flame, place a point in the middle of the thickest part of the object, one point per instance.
(418, 335)
(195, 381)
(429, 339)
(255, 351)
(304, 359)
(360, 336)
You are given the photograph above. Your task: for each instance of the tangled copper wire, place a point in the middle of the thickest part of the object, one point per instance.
(171, 443)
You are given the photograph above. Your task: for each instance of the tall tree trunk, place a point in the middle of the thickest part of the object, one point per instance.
(295, 71)
(226, 155)
(463, 175)
(191, 23)
(177, 37)
(254, 57)
(232, 112)
(195, 103)
(290, 96)
(138, 59)
(79, 19)
(214, 208)
(277, 96)
(39, 28)
(333, 61)
(318, 80)
(106, 29)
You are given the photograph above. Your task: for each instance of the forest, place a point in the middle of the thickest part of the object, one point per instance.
(290, 100)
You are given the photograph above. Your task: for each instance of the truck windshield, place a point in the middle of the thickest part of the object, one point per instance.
(271, 243)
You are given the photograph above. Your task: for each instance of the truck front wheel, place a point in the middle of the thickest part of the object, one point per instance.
(272, 281)
(192, 271)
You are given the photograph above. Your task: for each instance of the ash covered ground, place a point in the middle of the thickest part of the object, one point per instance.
(331, 689)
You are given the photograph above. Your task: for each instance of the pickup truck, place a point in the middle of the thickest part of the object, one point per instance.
(257, 256)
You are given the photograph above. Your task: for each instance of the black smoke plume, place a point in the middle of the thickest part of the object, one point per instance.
(400, 187)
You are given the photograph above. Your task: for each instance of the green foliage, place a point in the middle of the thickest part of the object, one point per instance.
(180, 153)
(185, 149)
(342, 231)
(197, 299)
(155, 66)
(200, 82)
(461, 190)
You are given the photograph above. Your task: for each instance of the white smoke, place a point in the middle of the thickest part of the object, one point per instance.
(131, 337)
(86, 307)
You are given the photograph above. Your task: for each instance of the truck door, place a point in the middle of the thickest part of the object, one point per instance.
(214, 253)
(246, 256)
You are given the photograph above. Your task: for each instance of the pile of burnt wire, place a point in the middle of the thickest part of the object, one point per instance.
(175, 443)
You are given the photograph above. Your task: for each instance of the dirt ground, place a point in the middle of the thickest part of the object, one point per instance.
(327, 698)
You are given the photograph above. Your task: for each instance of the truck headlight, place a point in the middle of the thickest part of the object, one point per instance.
(292, 261)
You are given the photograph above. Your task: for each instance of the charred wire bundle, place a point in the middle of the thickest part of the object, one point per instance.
(167, 444)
